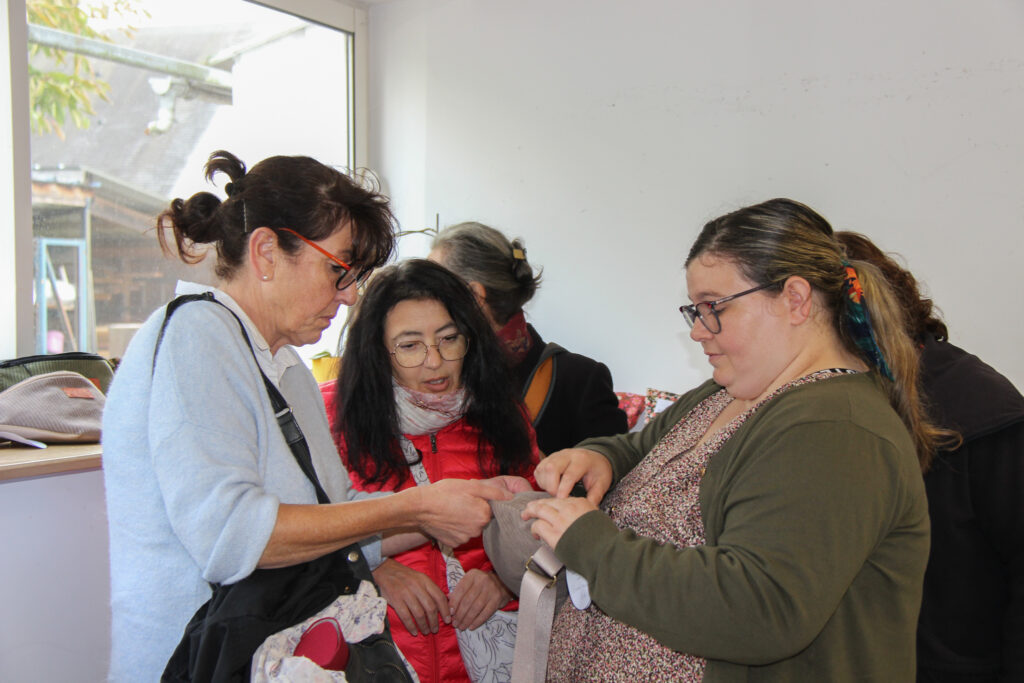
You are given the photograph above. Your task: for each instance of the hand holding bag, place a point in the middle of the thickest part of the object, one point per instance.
(223, 635)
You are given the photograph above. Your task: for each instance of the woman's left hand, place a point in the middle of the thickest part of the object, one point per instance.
(476, 597)
(554, 516)
(415, 598)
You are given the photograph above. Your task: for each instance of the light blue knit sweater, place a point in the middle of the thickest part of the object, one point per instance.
(195, 466)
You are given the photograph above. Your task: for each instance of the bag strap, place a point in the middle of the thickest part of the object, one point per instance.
(540, 384)
(537, 595)
(540, 387)
(293, 435)
(454, 571)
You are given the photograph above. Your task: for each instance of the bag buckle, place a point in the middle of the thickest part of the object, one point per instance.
(535, 563)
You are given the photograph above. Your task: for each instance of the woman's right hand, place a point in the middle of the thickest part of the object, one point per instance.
(559, 472)
(415, 598)
(456, 510)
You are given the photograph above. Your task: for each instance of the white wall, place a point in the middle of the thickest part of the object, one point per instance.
(54, 579)
(606, 133)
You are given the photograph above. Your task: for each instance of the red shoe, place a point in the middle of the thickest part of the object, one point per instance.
(324, 644)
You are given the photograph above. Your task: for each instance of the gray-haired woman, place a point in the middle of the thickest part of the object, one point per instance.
(580, 401)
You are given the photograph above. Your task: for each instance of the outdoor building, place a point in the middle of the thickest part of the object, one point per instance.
(177, 92)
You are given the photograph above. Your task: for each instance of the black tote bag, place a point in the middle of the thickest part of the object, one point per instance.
(222, 636)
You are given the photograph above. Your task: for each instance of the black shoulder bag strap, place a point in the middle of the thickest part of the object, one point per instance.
(282, 411)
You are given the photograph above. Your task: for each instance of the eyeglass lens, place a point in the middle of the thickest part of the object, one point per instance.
(707, 315)
(412, 354)
(351, 277)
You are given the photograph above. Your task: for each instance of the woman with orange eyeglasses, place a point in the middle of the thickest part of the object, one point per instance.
(202, 487)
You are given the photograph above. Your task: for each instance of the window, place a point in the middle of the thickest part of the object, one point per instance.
(191, 77)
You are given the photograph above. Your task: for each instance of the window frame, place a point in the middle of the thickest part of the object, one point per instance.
(16, 250)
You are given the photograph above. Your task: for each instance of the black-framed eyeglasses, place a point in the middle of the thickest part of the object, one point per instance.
(412, 354)
(347, 275)
(707, 311)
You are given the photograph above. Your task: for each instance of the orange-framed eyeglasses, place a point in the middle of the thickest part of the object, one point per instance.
(348, 275)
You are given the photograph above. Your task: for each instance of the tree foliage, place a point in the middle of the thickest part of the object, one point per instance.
(62, 84)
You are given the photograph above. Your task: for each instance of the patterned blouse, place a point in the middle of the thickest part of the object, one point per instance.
(658, 499)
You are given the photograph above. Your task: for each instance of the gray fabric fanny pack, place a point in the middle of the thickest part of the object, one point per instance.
(54, 407)
(509, 544)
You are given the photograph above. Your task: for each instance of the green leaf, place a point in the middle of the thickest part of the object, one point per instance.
(68, 90)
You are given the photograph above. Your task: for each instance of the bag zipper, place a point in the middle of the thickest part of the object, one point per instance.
(70, 355)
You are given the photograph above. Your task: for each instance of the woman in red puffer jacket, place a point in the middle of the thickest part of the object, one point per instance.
(423, 395)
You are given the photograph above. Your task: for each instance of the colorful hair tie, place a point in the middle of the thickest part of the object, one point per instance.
(859, 322)
(518, 254)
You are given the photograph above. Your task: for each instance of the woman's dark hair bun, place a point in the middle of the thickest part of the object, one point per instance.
(294, 192)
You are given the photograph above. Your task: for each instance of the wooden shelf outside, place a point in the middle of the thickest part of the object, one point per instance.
(23, 461)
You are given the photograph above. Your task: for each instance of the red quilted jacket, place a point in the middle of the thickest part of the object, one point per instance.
(451, 453)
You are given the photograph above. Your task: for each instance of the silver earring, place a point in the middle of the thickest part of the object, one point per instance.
(266, 277)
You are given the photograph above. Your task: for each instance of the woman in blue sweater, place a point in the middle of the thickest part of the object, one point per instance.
(201, 485)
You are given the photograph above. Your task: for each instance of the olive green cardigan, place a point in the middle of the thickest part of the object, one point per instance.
(817, 539)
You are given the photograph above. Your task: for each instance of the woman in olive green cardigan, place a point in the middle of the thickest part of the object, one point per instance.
(772, 524)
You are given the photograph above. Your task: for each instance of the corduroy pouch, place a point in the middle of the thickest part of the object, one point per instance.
(88, 365)
(55, 407)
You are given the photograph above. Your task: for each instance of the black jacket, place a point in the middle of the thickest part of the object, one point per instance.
(971, 626)
(583, 403)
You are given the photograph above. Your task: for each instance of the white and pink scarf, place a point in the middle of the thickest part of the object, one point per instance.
(420, 412)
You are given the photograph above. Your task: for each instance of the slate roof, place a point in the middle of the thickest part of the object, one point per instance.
(116, 144)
